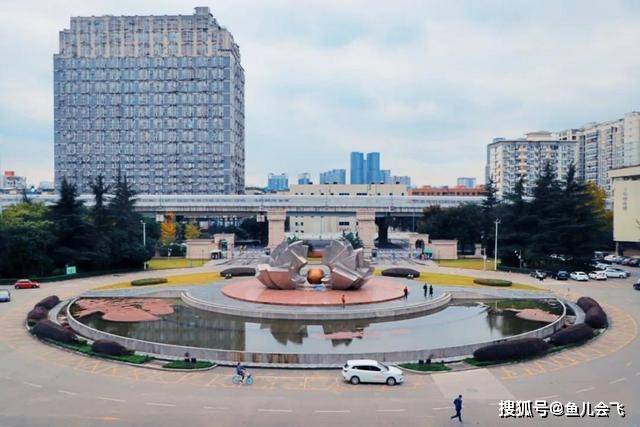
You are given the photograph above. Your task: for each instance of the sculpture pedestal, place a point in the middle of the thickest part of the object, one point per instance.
(376, 290)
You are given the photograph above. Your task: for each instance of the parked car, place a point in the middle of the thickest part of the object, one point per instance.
(616, 273)
(561, 275)
(538, 274)
(636, 285)
(601, 266)
(598, 275)
(624, 260)
(5, 295)
(26, 284)
(635, 262)
(580, 276)
(611, 258)
(371, 371)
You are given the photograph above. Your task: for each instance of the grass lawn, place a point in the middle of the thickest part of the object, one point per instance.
(184, 279)
(440, 279)
(169, 263)
(181, 364)
(470, 263)
(426, 367)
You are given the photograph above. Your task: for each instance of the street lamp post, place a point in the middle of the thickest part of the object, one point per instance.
(495, 247)
(144, 240)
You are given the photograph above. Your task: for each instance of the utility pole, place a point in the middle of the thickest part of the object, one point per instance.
(495, 247)
(144, 240)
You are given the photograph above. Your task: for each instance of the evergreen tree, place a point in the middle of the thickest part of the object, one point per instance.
(489, 208)
(580, 224)
(74, 243)
(102, 223)
(127, 250)
(547, 218)
(516, 223)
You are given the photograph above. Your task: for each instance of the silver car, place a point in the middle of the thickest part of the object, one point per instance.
(5, 295)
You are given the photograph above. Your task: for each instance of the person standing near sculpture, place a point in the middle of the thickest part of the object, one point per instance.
(425, 288)
(430, 290)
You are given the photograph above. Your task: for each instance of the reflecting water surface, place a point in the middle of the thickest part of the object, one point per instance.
(458, 324)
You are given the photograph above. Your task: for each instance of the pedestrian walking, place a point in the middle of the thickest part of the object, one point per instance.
(425, 288)
(406, 292)
(457, 403)
(344, 301)
(430, 290)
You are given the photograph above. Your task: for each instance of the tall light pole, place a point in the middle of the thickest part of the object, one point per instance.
(495, 247)
(144, 240)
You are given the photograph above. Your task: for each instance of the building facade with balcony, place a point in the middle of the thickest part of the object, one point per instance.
(508, 160)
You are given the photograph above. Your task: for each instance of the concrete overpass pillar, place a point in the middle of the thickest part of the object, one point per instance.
(383, 230)
(366, 229)
(276, 218)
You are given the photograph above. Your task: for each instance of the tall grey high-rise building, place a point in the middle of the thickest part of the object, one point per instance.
(159, 99)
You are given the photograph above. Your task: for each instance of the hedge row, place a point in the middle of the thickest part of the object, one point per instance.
(572, 335)
(517, 349)
(238, 272)
(493, 282)
(595, 316)
(41, 309)
(110, 348)
(149, 281)
(48, 330)
(400, 272)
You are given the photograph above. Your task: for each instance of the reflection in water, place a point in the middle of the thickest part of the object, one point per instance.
(458, 324)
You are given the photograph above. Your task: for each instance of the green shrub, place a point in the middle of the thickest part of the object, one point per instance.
(492, 282)
(571, 335)
(512, 350)
(238, 272)
(425, 367)
(400, 272)
(181, 364)
(149, 281)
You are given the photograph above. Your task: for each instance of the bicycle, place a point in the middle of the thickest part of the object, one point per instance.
(237, 379)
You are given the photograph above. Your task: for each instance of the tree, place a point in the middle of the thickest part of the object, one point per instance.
(604, 236)
(489, 208)
(463, 223)
(26, 240)
(74, 243)
(127, 250)
(168, 229)
(546, 206)
(516, 225)
(102, 223)
(191, 231)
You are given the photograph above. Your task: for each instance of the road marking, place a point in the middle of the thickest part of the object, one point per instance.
(585, 389)
(389, 410)
(619, 380)
(215, 408)
(32, 384)
(551, 396)
(275, 410)
(67, 392)
(440, 409)
(171, 405)
(332, 411)
(111, 399)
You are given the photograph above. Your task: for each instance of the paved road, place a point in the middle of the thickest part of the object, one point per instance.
(44, 386)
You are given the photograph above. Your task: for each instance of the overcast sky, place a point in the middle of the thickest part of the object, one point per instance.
(428, 84)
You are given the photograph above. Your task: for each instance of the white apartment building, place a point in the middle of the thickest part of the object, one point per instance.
(604, 146)
(510, 159)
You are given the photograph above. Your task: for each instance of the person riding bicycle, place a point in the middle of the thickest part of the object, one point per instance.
(241, 371)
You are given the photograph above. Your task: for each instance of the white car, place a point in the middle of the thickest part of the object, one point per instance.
(598, 275)
(371, 371)
(611, 258)
(580, 276)
(601, 266)
(616, 273)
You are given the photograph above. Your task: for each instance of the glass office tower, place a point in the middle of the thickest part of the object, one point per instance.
(358, 169)
(373, 174)
(158, 99)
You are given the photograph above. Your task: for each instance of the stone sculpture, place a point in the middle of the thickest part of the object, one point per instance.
(282, 269)
(347, 266)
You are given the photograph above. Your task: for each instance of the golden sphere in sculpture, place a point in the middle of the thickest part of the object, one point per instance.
(315, 275)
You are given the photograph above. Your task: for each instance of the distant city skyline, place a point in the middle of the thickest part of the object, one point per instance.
(426, 84)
